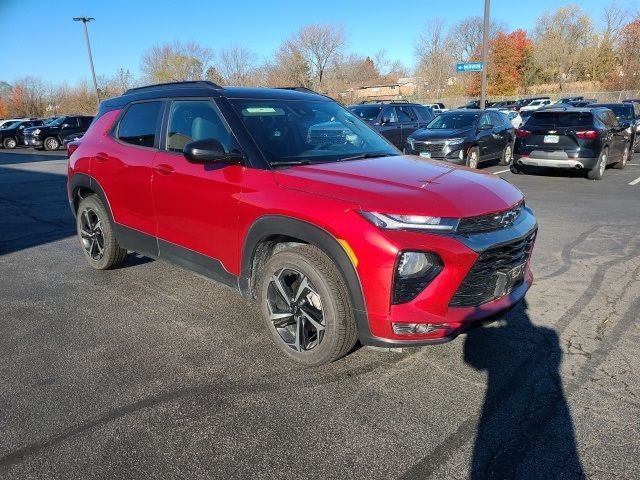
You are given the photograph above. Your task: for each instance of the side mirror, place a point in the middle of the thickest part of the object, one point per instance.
(385, 120)
(210, 150)
(21, 127)
(486, 127)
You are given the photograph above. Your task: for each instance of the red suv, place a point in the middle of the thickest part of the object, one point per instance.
(337, 241)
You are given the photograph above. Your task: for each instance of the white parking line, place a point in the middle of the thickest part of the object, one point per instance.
(501, 171)
(634, 182)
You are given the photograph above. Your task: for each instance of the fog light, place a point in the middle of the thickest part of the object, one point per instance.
(416, 328)
(415, 264)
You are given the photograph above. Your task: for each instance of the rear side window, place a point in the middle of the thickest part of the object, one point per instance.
(72, 121)
(138, 126)
(560, 119)
(85, 121)
(424, 113)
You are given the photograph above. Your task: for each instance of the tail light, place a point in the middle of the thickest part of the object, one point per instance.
(522, 133)
(587, 134)
(72, 147)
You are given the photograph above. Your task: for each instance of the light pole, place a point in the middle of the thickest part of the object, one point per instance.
(485, 45)
(86, 20)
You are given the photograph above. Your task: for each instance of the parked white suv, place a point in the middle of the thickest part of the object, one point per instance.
(536, 104)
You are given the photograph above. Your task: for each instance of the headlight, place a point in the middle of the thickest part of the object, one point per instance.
(411, 222)
(36, 131)
(455, 141)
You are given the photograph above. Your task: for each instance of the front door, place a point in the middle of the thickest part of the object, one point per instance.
(196, 204)
(486, 140)
(390, 126)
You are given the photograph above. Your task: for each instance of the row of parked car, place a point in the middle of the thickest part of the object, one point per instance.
(566, 134)
(43, 134)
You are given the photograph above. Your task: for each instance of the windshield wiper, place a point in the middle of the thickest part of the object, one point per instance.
(290, 163)
(367, 155)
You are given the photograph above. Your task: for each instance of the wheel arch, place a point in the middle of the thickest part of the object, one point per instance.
(81, 185)
(278, 230)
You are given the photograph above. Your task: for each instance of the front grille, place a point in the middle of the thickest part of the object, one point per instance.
(433, 147)
(489, 223)
(480, 284)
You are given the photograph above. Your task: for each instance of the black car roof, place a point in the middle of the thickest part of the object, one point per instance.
(609, 105)
(209, 89)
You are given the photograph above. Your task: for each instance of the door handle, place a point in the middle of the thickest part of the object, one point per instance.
(163, 169)
(101, 157)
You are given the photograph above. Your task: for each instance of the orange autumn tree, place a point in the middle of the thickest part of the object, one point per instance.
(507, 57)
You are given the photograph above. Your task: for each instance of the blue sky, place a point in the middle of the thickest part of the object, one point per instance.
(45, 42)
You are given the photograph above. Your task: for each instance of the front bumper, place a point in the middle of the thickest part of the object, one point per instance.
(434, 304)
(32, 141)
(456, 153)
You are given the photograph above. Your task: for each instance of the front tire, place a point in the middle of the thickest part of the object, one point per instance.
(473, 157)
(597, 172)
(51, 143)
(10, 143)
(306, 307)
(95, 232)
(507, 154)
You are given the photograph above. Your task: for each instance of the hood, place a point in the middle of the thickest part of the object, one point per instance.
(404, 184)
(437, 133)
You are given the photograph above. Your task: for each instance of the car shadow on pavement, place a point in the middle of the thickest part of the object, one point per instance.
(525, 429)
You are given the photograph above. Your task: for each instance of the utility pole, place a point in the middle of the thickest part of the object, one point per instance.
(485, 48)
(86, 20)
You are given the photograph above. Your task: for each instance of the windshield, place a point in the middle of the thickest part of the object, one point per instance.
(366, 112)
(291, 131)
(621, 111)
(51, 120)
(454, 121)
(57, 121)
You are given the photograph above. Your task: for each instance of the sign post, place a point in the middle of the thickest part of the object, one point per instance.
(485, 48)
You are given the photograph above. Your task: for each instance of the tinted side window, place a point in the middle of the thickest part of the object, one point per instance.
(424, 113)
(85, 121)
(390, 113)
(612, 119)
(72, 121)
(193, 120)
(406, 114)
(138, 126)
(485, 120)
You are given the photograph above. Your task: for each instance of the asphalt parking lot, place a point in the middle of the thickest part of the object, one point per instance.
(148, 371)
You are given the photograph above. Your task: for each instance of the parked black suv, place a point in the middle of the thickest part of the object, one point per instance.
(465, 137)
(13, 135)
(628, 114)
(51, 135)
(394, 120)
(568, 137)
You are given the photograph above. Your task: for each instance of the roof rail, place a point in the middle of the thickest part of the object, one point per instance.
(362, 102)
(185, 84)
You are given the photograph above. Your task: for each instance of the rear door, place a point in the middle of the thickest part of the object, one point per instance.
(501, 132)
(619, 136)
(122, 166)
(392, 129)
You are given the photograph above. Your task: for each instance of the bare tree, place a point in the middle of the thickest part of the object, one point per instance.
(466, 36)
(289, 67)
(614, 18)
(176, 61)
(318, 44)
(28, 97)
(434, 54)
(237, 66)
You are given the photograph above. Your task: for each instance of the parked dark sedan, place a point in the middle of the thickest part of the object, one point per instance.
(465, 137)
(13, 135)
(572, 138)
(394, 120)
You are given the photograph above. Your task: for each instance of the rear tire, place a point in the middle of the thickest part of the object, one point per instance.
(51, 143)
(305, 306)
(96, 236)
(626, 156)
(597, 172)
(507, 154)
